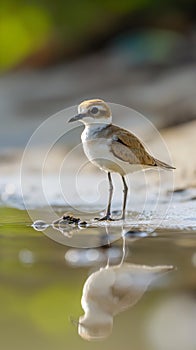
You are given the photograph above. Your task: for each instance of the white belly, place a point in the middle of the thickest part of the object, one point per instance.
(98, 151)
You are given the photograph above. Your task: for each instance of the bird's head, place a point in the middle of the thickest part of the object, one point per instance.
(93, 111)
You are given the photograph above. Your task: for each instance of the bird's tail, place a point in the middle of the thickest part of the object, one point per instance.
(163, 165)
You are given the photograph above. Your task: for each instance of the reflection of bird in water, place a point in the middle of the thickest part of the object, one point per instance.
(111, 148)
(112, 290)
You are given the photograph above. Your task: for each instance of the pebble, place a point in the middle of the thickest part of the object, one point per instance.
(70, 220)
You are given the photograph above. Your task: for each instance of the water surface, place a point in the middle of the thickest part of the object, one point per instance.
(42, 284)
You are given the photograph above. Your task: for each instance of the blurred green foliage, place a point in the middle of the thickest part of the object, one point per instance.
(28, 26)
(23, 29)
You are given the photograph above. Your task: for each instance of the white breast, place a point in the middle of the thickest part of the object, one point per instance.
(95, 148)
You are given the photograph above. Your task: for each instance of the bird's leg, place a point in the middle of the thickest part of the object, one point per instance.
(108, 211)
(125, 190)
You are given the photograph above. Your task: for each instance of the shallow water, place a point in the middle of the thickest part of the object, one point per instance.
(42, 285)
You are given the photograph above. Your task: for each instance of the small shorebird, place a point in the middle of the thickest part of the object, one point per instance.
(112, 148)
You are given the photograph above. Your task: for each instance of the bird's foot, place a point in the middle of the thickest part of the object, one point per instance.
(105, 218)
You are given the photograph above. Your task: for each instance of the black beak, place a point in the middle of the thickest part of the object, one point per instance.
(77, 117)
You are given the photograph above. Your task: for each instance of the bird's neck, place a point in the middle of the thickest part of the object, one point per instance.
(91, 130)
(93, 123)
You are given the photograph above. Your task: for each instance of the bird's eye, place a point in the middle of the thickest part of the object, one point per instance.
(94, 110)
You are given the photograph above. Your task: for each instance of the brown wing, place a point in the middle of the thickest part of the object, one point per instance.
(129, 148)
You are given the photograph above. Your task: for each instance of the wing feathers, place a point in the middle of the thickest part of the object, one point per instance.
(131, 155)
(129, 148)
(164, 165)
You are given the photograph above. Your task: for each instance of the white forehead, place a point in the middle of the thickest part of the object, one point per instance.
(83, 109)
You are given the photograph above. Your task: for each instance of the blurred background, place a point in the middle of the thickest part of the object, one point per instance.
(141, 53)
(137, 53)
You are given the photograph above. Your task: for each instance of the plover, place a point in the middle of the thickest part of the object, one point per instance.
(111, 148)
